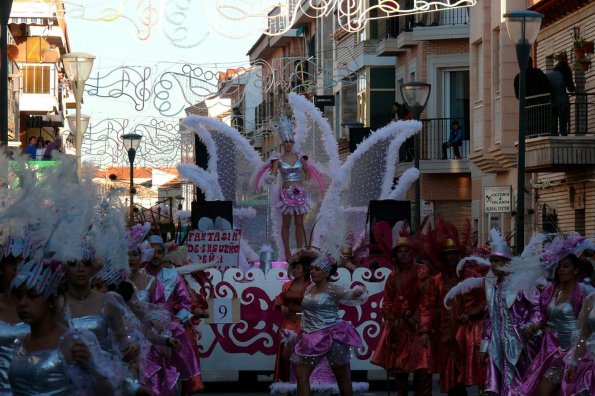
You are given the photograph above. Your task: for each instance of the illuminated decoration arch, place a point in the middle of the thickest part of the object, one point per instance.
(176, 19)
(281, 15)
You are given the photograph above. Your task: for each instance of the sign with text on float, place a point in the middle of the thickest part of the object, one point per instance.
(220, 248)
(497, 199)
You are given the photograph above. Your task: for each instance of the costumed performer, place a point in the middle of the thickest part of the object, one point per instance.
(580, 361)
(51, 359)
(324, 334)
(560, 305)
(106, 315)
(11, 327)
(177, 301)
(294, 200)
(438, 326)
(289, 302)
(507, 346)
(399, 350)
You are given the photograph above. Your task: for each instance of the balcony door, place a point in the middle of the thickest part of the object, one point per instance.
(456, 97)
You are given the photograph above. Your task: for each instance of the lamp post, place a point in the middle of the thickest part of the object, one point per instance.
(131, 143)
(522, 27)
(416, 95)
(4, 16)
(78, 66)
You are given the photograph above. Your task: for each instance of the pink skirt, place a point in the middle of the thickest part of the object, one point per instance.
(319, 343)
(294, 200)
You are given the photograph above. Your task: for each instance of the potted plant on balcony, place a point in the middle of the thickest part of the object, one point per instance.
(584, 64)
(581, 47)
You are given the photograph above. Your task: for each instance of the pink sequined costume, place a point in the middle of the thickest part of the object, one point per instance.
(559, 321)
(293, 198)
(174, 296)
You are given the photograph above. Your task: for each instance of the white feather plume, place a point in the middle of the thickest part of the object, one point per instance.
(465, 260)
(405, 181)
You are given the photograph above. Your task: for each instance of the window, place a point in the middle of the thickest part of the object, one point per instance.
(37, 79)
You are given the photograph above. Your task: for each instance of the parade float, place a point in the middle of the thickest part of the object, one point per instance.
(238, 253)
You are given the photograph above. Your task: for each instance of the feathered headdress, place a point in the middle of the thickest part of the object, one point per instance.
(561, 246)
(44, 276)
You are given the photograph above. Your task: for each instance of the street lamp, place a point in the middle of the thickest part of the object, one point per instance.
(131, 143)
(416, 95)
(71, 119)
(180, 200)
(522, 27)
(77, 66)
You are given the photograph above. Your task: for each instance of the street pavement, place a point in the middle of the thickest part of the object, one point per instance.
(243, 387)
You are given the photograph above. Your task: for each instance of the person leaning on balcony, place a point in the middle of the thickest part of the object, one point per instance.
(455, 140)
(537, 92)
(31, 148)
(56, 145)
(561, 81)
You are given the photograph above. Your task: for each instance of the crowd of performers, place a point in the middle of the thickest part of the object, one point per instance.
(87, 306)
(508, 325)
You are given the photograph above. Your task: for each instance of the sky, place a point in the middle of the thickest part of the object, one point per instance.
(212, 44)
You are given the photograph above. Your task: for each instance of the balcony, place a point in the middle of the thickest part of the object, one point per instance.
(548, 148)
(434, 133)
(398, 33)
(40, 88)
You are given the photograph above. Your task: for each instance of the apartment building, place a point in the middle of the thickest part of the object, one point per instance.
(559, 192)
(40, 38)
(434, 48)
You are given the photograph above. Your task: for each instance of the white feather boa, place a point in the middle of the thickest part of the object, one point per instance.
(462, 287)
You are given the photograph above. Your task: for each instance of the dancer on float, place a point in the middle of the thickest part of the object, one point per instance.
(399, 351)
(294, 200)
(508, 346)
(579, 377)
(177, 301)
(560, 305)
(289, 302)
(324, 334)
(51, 359)
(12, 251)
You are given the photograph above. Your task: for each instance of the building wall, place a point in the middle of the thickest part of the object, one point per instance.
(570, 194)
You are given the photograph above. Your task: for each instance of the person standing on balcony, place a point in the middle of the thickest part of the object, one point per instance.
(537, 92)
(40, 149)
(455, 140)
(561, 81)
(31, 148)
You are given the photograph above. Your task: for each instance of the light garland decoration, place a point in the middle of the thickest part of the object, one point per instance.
(177, 18)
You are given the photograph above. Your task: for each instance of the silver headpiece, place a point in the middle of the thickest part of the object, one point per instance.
(324, 263)
(285, 129)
